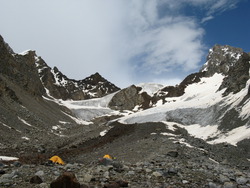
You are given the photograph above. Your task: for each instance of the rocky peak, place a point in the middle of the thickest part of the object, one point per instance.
(33, 74)
(61, 87)
(221, 58)
(232, 62)
(237, 76)
(95, 78)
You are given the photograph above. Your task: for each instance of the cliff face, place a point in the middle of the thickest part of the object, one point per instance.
(20, 69)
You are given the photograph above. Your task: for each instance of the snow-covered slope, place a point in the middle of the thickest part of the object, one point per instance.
(213, 104)
(201, 110)
(199, 95)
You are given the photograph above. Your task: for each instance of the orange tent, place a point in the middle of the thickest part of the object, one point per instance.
(56, 159)
(107, 157)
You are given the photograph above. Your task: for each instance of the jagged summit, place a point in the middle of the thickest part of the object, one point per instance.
(61, 87)
(231, 62)
(221, 58)
(32, 72)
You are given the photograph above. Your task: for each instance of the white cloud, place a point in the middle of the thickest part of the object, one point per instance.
(125, 41)
(158, 46)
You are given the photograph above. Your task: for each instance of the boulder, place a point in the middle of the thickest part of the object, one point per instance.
(36, 180)
(111, 185)
(67, 179)
(129, 98)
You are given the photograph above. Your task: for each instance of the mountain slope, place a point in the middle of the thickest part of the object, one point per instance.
(30, 117)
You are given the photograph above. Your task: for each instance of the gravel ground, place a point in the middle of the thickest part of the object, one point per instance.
(145, 157)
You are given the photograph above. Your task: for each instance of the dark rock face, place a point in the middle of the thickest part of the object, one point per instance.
(231, 62)
(5, 91)
(128, 98)
(21, 69)
(237, 76)
(220, 59)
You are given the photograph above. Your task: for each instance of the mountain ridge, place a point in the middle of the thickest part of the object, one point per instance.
(32, 73)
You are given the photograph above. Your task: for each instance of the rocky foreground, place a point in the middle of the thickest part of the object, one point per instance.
(153, 156)
(165, 171)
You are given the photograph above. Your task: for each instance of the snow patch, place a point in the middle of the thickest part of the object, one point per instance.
(103, 133)
(25, 52)
(25, 122)
(170, 125)
(25, 138)
(202, 132)
(234, 136)
(235, 55)
(78, 121)
(5, 125)
(55, 127)
(64, 122)
(213, 160)
(10, 127)
(168, 134)
(6, 158)
(183, 141)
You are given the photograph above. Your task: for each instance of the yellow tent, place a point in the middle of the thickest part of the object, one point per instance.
(56, 159)
(107, 157)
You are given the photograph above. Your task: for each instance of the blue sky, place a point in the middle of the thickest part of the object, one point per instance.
(127, 42)
(230, 27)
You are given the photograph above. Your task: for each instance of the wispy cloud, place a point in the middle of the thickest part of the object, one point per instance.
(205, 19)
(157, 46)
(213, 7)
